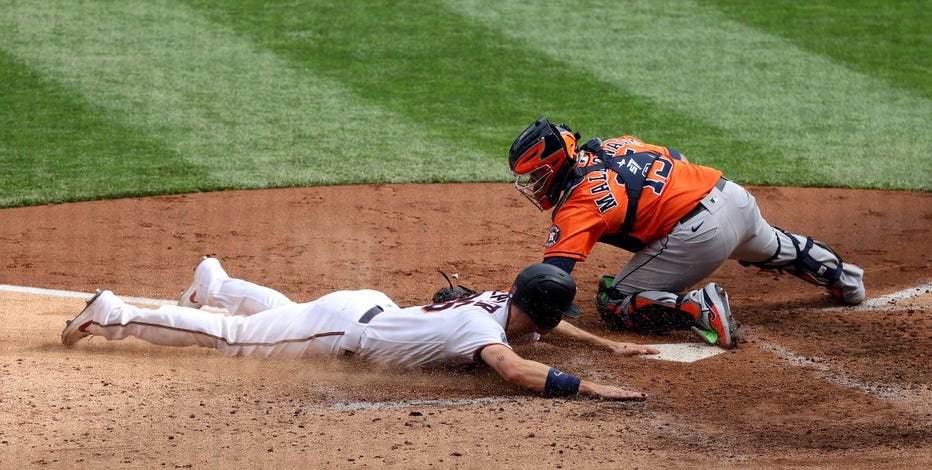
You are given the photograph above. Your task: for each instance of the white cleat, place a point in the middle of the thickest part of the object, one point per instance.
(74, 328)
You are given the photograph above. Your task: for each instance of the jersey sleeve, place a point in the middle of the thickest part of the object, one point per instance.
(574, 232)
(473, 332)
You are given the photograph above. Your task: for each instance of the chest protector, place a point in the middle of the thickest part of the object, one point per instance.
(632, 170)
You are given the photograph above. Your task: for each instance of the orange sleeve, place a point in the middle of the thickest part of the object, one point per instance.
(575, 230)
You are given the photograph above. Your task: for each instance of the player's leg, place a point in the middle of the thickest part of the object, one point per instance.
(647, 295)
(213, 287)
(813, 261)
(705, 311)
(108, 316)
(291, 330)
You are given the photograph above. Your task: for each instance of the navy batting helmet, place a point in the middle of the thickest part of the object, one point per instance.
(545, 292)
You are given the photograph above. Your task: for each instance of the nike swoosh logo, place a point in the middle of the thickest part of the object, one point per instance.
(696, 227)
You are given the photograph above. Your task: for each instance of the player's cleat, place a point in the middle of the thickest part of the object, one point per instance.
(710, 337)
(189, 296)
(74, 328)
(716, 315)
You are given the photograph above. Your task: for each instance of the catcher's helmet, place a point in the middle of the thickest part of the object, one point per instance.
(541, 159)
(545, 292)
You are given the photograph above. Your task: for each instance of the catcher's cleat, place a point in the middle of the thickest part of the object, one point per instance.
(716, 315)
(74, 328)
(189, 296)
(710, 337)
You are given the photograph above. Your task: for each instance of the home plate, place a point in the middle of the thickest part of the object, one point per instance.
(684, 352)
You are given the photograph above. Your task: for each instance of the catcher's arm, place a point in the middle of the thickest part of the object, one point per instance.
(541, 378)
(568, 331)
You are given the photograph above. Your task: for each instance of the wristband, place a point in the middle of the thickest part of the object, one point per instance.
(560, 384)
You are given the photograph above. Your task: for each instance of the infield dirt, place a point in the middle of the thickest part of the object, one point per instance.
(810, 385)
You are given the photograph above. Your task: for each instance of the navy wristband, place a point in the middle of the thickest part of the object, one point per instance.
(560, 384)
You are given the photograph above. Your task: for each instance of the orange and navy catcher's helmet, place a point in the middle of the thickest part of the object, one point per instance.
(541, 159)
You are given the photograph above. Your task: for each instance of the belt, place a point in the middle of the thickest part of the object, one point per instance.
(370, 314)
(354, 331)
(720, 185)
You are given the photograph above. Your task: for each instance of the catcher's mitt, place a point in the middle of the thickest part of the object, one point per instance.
(447, 294)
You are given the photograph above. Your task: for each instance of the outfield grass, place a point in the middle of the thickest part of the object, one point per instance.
(109, 99)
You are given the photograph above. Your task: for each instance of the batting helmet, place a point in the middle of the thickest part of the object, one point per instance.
(541, 159)
(545, 292)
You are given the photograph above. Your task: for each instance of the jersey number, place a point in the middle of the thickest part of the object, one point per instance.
(658, 178)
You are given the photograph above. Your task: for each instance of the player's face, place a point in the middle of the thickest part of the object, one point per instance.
(519, 323)
(533, 185)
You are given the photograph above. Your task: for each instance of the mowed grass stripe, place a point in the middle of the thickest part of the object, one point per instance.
(459, 80)
(853, 129)
(81, 153)
(880, 38)
(216, 99)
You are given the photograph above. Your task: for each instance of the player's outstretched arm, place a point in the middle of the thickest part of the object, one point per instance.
(544, 379)
(573, 333)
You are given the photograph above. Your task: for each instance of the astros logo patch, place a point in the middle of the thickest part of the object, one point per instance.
(553, 237)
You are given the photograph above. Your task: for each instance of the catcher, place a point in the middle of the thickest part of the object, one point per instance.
(470, 328)
(681, 221)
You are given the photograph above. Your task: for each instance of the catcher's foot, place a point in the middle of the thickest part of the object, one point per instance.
(850, 289)
(716, 317)
(847, 284)
(74, 328)
(189, 296)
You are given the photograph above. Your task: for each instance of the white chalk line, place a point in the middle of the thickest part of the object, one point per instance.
(80, 295)
(394, 405)
(889, 302)
(919, 399)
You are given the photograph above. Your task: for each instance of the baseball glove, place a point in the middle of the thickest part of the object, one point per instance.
(448, 294)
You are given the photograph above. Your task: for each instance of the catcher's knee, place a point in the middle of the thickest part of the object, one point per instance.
(611, 305)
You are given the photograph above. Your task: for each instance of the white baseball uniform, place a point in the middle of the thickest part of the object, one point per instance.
(265, 323)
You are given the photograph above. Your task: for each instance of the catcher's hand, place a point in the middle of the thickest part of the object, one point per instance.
(447, 294)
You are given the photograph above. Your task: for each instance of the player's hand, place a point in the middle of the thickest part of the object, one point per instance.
(609, 392)
(631, 349)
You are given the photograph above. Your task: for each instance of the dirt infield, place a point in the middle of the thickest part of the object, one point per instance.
(811, 384)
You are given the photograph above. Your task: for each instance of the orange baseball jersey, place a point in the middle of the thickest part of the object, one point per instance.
(597, 204)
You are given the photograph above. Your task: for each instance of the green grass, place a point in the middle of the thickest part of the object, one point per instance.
(886, 40)
(110, 99)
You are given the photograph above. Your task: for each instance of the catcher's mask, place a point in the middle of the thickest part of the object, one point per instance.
(545, 292)
(541, 159)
